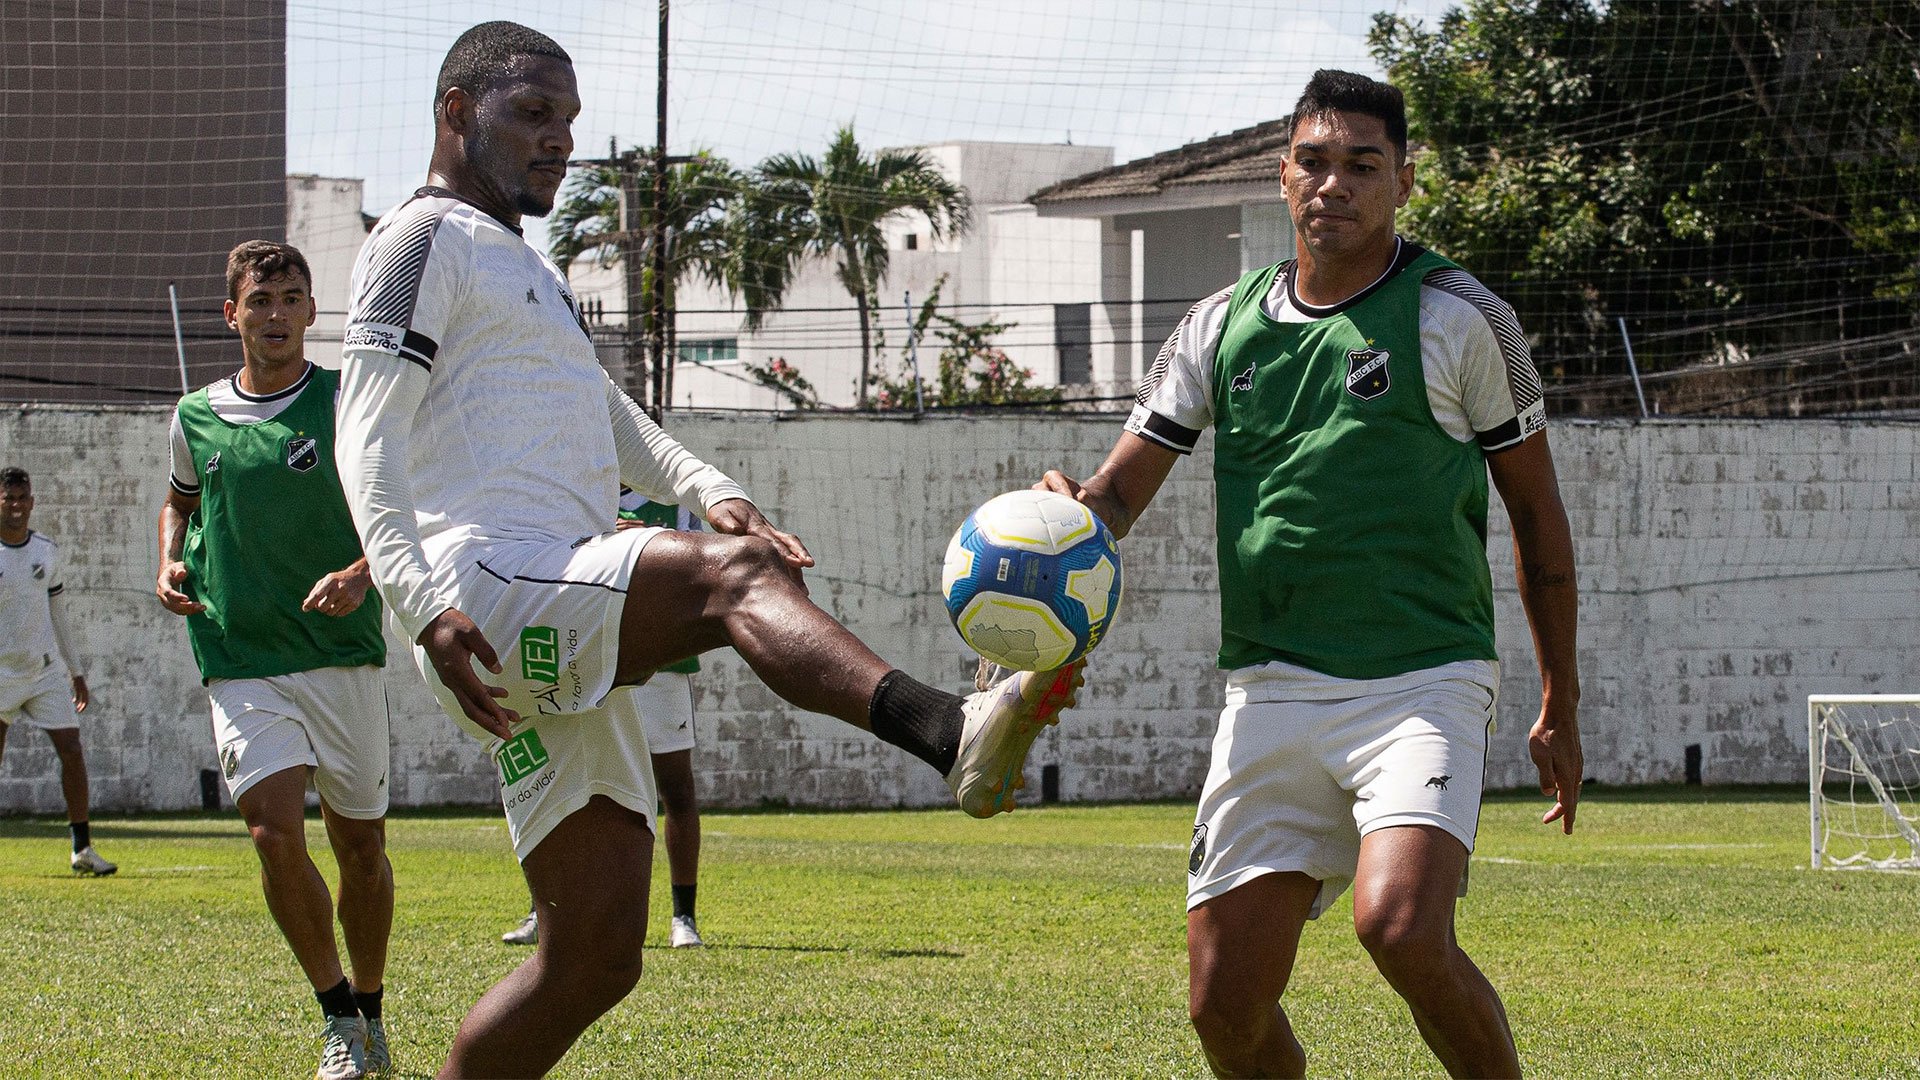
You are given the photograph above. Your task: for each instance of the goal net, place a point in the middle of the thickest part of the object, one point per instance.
(1863, 754)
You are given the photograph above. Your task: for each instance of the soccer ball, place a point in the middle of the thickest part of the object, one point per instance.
(1032, 580)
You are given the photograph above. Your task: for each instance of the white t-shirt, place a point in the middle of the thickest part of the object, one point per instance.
(29, 582)
(1481, 382)
(473, 409)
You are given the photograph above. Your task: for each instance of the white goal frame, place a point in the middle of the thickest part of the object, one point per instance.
(1817, 734)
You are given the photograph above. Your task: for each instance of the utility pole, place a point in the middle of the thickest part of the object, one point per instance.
(657, 301)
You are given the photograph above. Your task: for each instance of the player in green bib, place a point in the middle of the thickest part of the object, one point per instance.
(1359, 396)
(259, 553)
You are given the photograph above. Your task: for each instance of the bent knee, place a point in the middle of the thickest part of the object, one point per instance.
(1400, 942)
(278, 845)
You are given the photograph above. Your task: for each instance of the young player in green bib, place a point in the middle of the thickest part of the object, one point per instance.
(1359, 395)
(258, 551)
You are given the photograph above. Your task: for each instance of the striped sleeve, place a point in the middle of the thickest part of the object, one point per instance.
(404, 284)
(1175, 401)
(1499, 388)
(181, 474)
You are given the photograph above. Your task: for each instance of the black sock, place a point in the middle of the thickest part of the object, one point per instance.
(683, 900)
(338, 1001)
(369, 1002)
(82, 835)
(917, 718)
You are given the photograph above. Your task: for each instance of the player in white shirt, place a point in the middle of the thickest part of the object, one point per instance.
(482, 448)
(42, 681)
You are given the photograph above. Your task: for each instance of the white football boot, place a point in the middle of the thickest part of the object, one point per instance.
(1000, 725)
(86, 861)
(343, 1053)
(379, 1060)
(683, 934)
(527, 933)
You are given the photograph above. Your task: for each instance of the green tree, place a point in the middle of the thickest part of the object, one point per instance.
(1755, 162)
(969, 370)
(588, 223)
(832, 208)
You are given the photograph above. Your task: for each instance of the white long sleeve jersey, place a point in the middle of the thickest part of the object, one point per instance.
(473, 410)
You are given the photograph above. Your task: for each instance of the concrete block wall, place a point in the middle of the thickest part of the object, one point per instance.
(1727, 569)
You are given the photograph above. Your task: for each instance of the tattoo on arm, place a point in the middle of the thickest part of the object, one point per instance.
(1540, 577)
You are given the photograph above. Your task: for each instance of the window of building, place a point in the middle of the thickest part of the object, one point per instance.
(913, 242)
(708, 350)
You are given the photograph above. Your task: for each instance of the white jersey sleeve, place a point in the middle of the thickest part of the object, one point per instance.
(406, 284)
(63, 639)
(655, 465)
(1175, 402)
(1480, 375)
(181, 475)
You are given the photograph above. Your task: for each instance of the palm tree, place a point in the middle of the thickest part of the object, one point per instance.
(833, 208)
(700, 192)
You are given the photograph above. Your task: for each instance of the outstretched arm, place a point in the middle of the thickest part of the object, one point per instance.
(1543, 560)
(1125, 483)
(654, 464)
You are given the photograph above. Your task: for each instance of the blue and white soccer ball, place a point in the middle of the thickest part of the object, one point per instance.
(1032, 580)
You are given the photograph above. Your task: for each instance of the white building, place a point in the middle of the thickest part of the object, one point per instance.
(1014, 266)
(326, 222)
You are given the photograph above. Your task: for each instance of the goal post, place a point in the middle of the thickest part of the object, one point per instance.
(1863, 781)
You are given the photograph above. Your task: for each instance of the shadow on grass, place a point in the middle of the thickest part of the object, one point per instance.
(887, 954)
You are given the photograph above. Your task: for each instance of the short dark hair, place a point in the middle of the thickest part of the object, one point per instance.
(263, 260)
(15, 476)
(486, 52)
(1331, 91)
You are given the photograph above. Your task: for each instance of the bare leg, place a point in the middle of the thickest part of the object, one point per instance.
(589, 880)
(1403, 900)
(275, 812)
(1240, 952)
(73, 771)
(697, 591)
(366, 893)
(674, 774)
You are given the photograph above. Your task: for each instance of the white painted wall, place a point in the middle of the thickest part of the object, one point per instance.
(1728, 569)
(324, 222)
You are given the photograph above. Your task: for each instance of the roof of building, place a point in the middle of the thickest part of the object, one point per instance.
(1249, 155)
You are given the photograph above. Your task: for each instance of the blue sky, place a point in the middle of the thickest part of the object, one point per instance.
(755, 77)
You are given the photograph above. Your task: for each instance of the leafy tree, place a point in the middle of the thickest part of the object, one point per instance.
(1756, 162)
(832, 208)
(588, 223)
(969, 370)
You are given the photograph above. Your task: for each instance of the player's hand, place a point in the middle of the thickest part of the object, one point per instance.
(339, 593)
(172, 576)
(624, 524)
(80, 696)
(452, 644)
(1111, 511)
(738, 517)
(1554, 745)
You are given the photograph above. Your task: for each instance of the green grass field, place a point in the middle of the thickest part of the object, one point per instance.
(1677, 934)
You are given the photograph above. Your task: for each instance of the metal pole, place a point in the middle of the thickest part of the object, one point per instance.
(657, 300)
(913, 354)
(179, 341)
(1631, 366)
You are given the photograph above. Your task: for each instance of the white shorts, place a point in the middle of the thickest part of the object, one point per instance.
(551, 611)
(665, 705)
(554, 764)
(44, 701)
(1304, 765)
(334, 719)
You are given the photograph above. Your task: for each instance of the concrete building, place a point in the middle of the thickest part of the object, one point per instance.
(1174, 227)
(1015, 266)
(325, 220)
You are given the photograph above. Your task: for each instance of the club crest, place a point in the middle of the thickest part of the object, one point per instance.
(303, 454)
(1243, 381)
(1367, 373)
(1198, 854)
